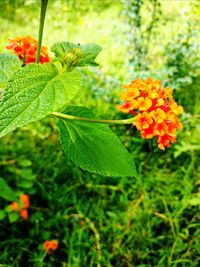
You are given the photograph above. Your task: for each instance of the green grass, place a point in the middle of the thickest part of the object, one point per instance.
(149, 221)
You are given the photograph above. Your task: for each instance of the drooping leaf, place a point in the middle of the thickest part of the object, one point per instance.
(86, 54)
(34, 92)
(9, 64)
(93, 146)
(6, 192)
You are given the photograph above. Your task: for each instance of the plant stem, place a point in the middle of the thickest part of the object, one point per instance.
(70, 117)
(42, 18)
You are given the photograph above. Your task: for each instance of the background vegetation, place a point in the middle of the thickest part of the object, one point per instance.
(151, 220)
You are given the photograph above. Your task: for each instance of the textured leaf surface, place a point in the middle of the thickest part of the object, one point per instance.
(90, 52)
(34, 92)
(9, 64)
(6, 192)
(93, 146)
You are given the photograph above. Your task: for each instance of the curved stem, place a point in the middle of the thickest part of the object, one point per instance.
(42, 18)
(71, 117)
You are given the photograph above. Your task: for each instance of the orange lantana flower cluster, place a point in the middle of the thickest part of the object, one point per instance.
(156, 112)
(22, 208)
(49, 246)
(26, 49)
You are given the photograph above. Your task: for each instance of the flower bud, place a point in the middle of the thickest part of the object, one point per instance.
(78, 52)
(70, 58)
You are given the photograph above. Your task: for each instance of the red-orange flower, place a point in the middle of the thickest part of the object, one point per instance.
(14, 206)
(22, 208)
(49, 246)
(155, 109)
(24, 214)
(25, 200)
(26, 49)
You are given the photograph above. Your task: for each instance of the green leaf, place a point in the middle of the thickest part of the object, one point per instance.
(27, 174)
(93, 146)
(13, 217)
(25, 184)
(34, 92)
(2, 215)
(7, 209)
(25, 162)
(9, 64)
(6, 192)
(86, 54)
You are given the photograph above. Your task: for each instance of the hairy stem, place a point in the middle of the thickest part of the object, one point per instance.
(42, 18)
(71, 117)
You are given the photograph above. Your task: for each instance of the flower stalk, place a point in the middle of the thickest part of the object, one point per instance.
(40, 34)
(71, 117)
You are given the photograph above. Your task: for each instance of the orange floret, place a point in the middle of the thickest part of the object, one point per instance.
(143, 121)
(159, 115)
(54, 244)
(47, 245)
(144, 103)
(156, 112)
(24, 214)
(25, 200)
(14, 206)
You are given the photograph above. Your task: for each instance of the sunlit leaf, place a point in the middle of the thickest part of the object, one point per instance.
(34, 92)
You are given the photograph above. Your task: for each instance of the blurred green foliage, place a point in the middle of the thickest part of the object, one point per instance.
(149, 221)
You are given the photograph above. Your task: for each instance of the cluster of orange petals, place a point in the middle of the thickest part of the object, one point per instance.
(156, 112)
(26, 49)
(49, 246)
(22, 208)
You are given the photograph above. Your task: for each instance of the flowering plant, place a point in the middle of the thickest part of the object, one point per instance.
(26, 48)
(22, 208)
(33, 91)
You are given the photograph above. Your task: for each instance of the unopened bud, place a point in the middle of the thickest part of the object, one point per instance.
(78, 52)
(70, 58)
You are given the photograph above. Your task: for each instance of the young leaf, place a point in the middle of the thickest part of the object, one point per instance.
(93, 146)
(34, 92)
(85, 54)
(6, 192)
(9, 64)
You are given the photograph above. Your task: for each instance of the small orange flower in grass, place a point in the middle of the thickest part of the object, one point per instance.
(25, 200)
(14, 206)
(155, 110)
(22, 208)
(24, 214)
(26, 49)
(49, 246)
